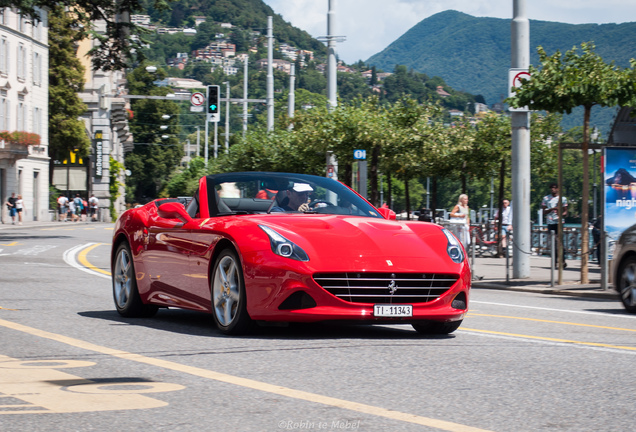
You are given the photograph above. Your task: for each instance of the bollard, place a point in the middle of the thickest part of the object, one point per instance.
(508, 260)
(552, 258)
(603, 261)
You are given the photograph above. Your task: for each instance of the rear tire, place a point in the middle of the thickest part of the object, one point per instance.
(627, 284)
(125, 292)
(437, 328)
(229, 301)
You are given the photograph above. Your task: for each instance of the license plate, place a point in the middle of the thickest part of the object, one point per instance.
(391, 310)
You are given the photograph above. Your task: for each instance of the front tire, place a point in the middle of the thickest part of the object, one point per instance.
(437, 328)
(229, 302)
(125, 292)
(627, 284)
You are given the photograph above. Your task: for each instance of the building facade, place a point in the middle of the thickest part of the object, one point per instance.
(106, 123)
(24, 84)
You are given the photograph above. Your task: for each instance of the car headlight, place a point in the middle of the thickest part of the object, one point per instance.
(454, 248)
(283, 247)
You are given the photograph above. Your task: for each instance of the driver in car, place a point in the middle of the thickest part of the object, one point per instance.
(298, 198)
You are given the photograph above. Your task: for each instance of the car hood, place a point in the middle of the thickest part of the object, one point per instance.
(344, 242)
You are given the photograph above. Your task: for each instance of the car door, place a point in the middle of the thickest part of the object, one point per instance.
(167, 261)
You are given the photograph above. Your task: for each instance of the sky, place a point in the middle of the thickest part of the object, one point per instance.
(371, 25)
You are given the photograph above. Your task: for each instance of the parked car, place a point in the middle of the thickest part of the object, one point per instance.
(623, 269)
(261, 247)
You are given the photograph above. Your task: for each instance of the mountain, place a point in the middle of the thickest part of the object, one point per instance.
(244, 14)
(473, 53)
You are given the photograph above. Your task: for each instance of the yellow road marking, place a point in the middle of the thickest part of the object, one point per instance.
(81, 257)
(3, 308)
(9, 244)
(594, 344)
(553, 322)
(247, 383)
(42, 388)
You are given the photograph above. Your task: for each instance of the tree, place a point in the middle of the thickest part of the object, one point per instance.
(66, 79)
(153, 157)
(117, 45)
(565, 82)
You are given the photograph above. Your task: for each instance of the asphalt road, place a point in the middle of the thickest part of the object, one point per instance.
(68, 362)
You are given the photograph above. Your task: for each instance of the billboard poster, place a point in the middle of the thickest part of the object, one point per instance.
(620, 192)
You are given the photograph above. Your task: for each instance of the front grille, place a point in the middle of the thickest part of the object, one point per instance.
(377, 287)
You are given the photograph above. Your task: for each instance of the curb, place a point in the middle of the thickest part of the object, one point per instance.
(592, 291)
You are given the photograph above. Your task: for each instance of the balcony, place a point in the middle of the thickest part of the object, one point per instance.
(18, 145)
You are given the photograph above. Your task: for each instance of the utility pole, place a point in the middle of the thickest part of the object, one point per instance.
(332, 64)
(520, 121)
(216, 140)
(291, 101)
(270, 76)
(227, 117)
(245, 96)
(332, 69)
(198, 141)
(206, 151)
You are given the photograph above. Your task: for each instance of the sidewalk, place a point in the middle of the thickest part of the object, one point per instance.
(491, 273)
(7, 225)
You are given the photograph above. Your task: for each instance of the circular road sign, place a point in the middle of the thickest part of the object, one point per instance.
(197, 99)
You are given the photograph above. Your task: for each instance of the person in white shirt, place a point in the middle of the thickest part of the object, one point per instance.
(506, 221)
(93, 205)
(19, 207)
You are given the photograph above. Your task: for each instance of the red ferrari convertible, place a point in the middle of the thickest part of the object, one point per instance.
(259, 247)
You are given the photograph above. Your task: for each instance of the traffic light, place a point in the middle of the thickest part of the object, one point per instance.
(213, 99)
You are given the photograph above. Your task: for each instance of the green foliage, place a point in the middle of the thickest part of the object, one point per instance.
(184, 182)
(116, 45)
(66, 78)
(153, 158)
(567, 81)
(54, 194)
(114, 185)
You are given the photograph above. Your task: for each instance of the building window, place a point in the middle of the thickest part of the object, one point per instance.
(5, 109)
(21, 61)
(37, 118)
(4, 56)
(21, 116)
(37, 68)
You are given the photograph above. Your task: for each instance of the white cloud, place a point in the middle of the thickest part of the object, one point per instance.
(371, 25)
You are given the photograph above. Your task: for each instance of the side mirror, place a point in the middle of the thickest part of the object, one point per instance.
(387, 213)
(173, 210)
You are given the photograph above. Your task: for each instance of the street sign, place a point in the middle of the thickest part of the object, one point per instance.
(360, 154)
(197, 99)
(514, 80)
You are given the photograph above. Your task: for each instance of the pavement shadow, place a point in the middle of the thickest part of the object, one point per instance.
(194, 323)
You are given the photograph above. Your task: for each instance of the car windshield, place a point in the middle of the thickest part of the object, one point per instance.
(259, 192)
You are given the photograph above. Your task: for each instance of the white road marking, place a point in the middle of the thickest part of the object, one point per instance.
(35, 250)
(70, 257)
(556, 310)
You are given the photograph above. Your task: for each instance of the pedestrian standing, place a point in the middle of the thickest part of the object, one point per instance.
(71, 210)
(62, 202)
(506, 221)
(460, 216)
(93, 205)
(550, 206)
(79, 206)
(10, 203)
(19, 207)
